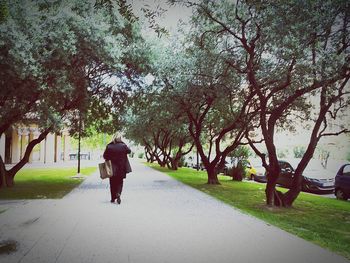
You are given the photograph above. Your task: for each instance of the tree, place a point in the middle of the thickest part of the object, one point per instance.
(55, 63)
(158, 126)
(218, 105)
(284, 66)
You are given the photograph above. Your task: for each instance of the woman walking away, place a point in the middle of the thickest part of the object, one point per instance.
(117, 151)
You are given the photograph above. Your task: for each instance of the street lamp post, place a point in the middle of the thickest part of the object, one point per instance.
(197, 161)
(79, 139)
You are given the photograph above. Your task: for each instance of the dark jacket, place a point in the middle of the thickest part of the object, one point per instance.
(117, 153)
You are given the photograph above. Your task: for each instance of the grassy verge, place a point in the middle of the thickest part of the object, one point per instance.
(321, 220)
(44, 183)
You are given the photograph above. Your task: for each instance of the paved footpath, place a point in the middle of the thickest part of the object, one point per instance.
(159, 220)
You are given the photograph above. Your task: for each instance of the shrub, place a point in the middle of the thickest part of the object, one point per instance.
(182, 162)
(298, 151)
(283, 153)
(237, 173)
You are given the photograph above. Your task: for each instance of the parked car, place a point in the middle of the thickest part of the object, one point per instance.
(256, 171)
(314, 180)
(249, 170)
(342, 182)
(260, 174)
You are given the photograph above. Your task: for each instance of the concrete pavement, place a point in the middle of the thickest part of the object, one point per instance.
(159, 220)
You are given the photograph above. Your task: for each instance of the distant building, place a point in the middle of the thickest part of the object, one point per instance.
(54, 148)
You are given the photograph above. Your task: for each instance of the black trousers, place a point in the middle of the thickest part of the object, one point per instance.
(116, 186)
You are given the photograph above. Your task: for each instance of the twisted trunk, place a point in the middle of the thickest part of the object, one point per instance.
(7, 176)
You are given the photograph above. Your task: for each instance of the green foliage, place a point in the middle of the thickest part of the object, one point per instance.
(124, 8)
(240, 153)
(151, 15)
(282, 153)
(67, 63)
(4, 11)
(154, 122)
(284, 53)
(64, 59)
(93, 141)
(205, 91)
(299, 151)
(239, 158)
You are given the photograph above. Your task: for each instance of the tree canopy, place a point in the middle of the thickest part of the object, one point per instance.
(58, 60)
(248, 68)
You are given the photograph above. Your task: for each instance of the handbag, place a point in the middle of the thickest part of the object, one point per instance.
(106, 170)
(127, 166)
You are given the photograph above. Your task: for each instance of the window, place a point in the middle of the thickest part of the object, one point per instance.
(285, 167)
(346, 170)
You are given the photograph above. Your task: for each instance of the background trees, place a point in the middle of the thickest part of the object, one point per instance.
(238, 73)
(160, 127)
(217, 105)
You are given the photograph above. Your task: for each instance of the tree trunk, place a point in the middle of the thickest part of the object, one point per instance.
(175, 161)
(270, 193)
(161, 163)
(273, 198)
(9, 177)
(152, 158)
(174, 164)
(2, 172)
(291, 196)
(212, 175)
(148, 159)
(149, 156)
(6, 177)
(296, 188)
(10, 174)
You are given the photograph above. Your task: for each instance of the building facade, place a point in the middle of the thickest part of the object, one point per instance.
(54, 148)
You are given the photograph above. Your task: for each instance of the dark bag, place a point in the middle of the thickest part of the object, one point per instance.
(127, 166)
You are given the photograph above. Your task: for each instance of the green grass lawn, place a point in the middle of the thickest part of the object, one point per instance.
(321, 220)
(33, 183)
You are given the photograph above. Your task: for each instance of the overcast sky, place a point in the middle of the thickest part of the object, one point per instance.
(171, 16)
